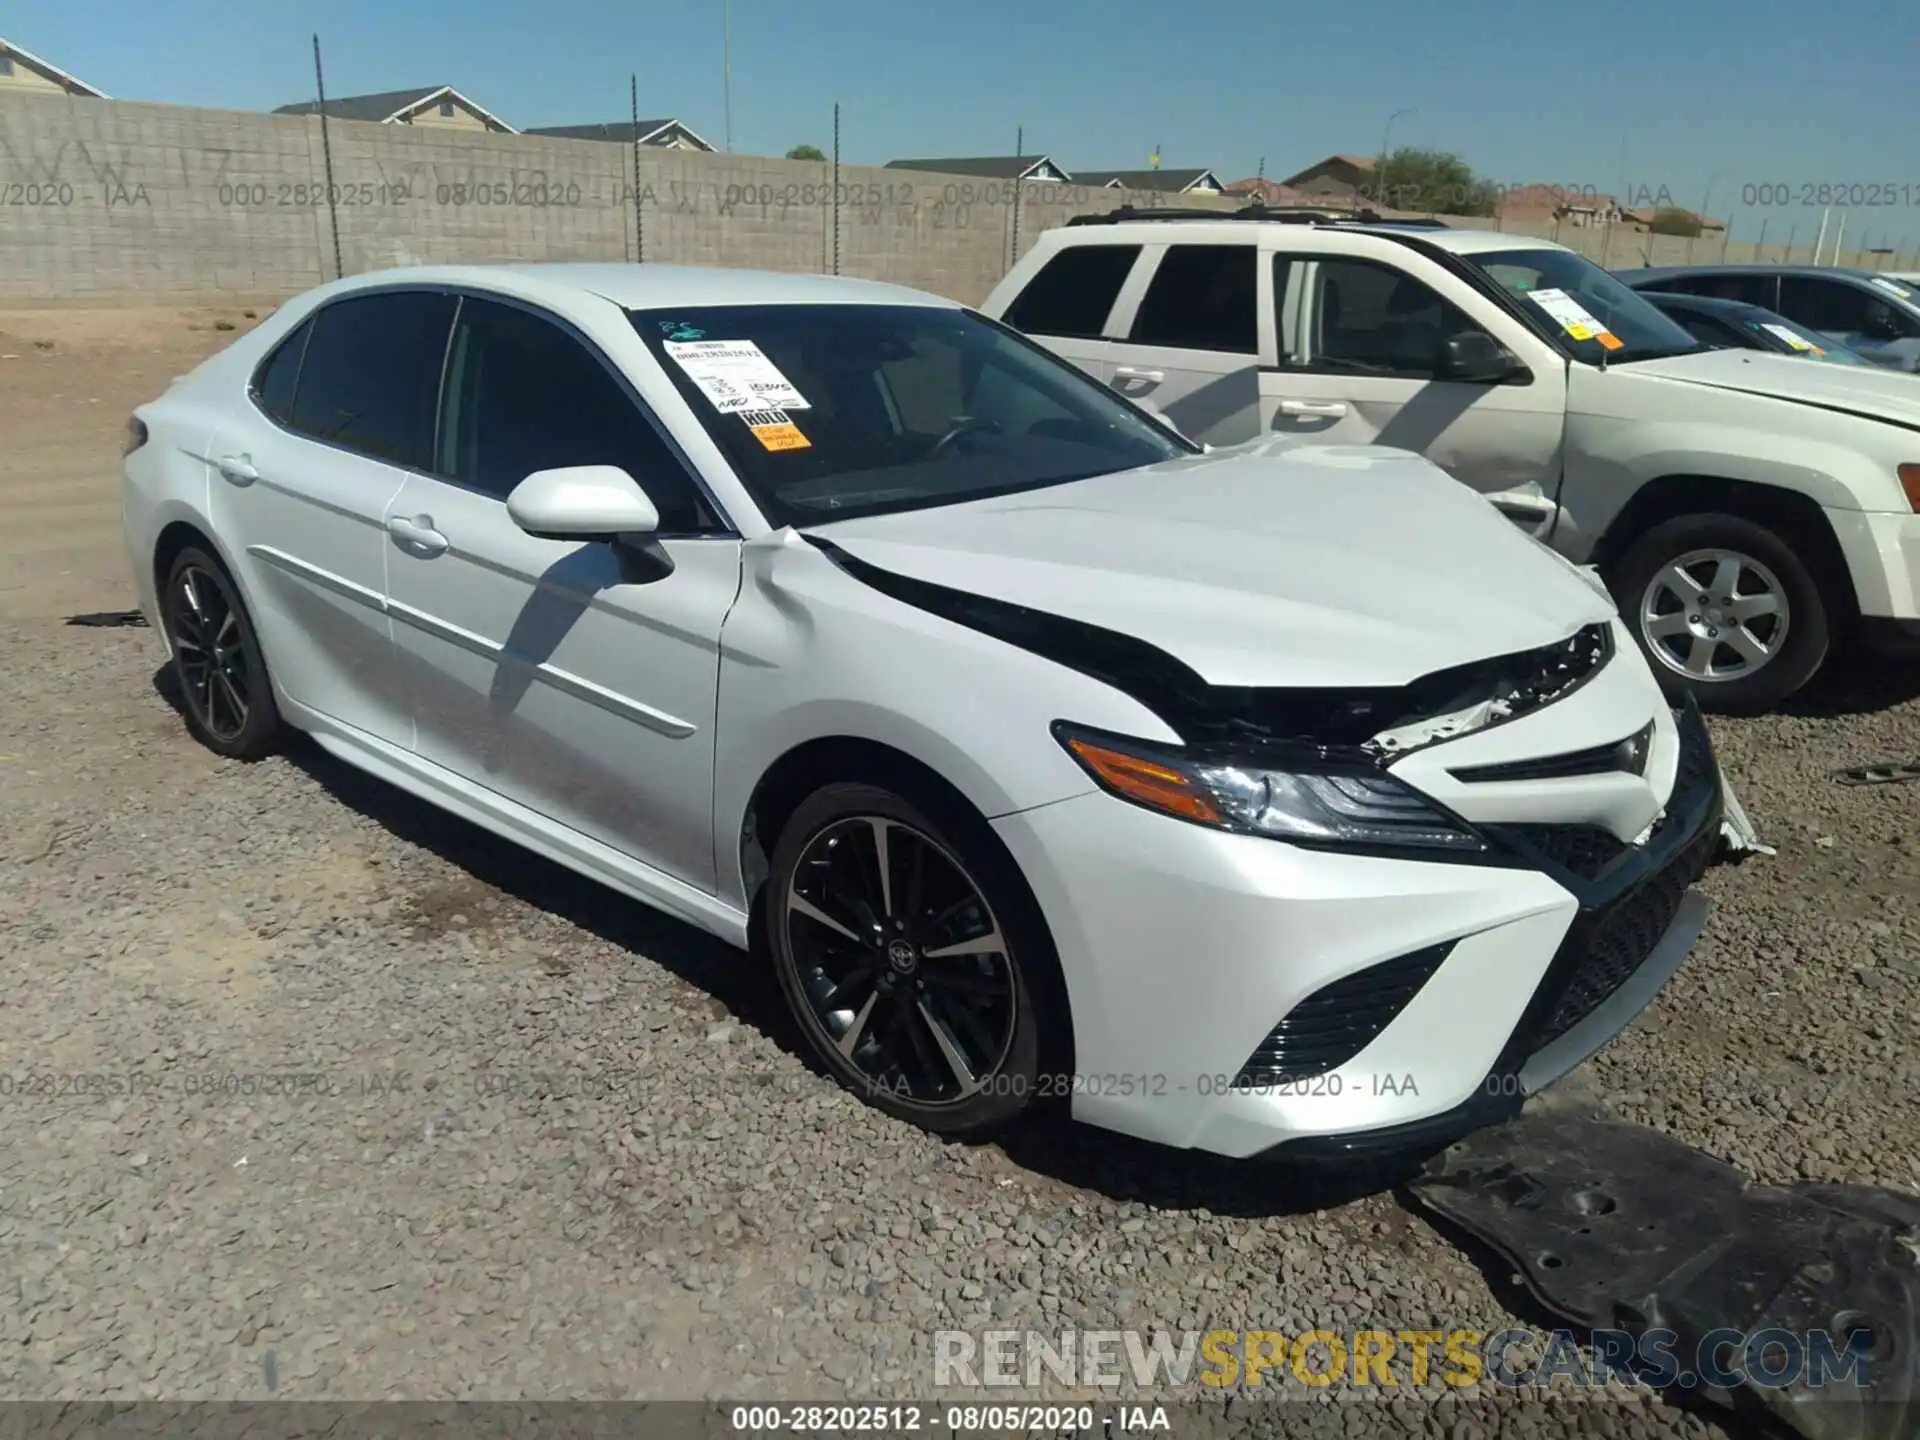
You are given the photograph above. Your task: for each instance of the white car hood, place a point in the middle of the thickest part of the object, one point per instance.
(1262, 565)
(1875, 393)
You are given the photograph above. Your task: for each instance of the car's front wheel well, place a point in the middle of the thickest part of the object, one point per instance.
(1795, 517)
(807, 767)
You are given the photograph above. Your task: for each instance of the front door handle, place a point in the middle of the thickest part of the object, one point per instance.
(1142, 379)
(237, 468)
(1326, 409)
(417, 534)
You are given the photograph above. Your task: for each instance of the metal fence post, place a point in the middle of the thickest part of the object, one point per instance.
(326, 156)
(639, 224)
(1019, 148)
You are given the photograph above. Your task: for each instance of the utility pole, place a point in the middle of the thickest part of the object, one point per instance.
(1386, 141)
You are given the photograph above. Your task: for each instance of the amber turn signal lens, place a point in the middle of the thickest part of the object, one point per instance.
(1910, 482)
(1152, 785)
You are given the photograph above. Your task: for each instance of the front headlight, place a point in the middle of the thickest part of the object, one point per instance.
(1303, 804)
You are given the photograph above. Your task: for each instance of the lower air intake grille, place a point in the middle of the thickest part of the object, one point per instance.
(1338, 1021)
(1613, 942)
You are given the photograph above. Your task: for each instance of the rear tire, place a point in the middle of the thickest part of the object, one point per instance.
(225, 690)
(924, 992)
(1724, 609)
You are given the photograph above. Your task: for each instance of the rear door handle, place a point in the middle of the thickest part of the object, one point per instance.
(417, 534)
(1129, 372)
(1331, 409)
(237, 468)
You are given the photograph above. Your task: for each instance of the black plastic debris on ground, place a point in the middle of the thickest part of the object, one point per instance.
(1889, 773)
(1618, 1227)
(106, 618)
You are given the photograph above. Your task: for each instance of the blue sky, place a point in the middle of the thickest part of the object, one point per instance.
(1701, 97)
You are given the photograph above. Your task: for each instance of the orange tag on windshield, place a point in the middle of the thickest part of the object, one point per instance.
(781, 437)
(775, 430)
(1610, 340)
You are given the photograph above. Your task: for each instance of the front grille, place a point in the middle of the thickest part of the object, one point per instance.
(1697, 769)
(1338, 1021)
(1626, 757)
(1608, 944)
(1640, 893)
(1583, 850)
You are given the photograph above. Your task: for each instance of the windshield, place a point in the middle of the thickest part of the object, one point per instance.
(1589, 313)
(1780, 333)
(831, 411)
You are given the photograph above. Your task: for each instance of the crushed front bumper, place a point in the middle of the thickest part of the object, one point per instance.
(1638, 919)
(1193, 957)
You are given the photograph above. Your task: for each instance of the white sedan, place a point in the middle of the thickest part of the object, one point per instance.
(1238, 799)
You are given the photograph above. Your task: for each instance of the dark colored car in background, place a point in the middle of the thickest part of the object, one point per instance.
(1868, 312)
(1735, 325)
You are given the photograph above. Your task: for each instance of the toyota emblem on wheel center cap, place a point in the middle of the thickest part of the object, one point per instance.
(901, 956)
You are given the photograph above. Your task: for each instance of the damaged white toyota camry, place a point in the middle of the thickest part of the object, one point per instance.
(1240, 800)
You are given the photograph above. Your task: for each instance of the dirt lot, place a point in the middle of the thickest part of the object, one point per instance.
(562, 1148)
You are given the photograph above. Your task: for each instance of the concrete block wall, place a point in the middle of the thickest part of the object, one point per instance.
(112, 201)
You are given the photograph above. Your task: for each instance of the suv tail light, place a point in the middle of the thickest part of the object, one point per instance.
(1910, 482)
(136, 435)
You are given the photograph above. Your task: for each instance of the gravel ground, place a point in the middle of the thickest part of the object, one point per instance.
(561, 1148)
(567, 1149)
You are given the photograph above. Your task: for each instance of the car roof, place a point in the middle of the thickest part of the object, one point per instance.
(1709, 304)
(1230, 226)
(650, 286)
(1841, 272)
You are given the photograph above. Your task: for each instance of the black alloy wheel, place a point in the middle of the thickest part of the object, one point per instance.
(901, 963)
(216, 658)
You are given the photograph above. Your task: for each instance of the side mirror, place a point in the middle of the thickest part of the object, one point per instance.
(582, 502)
(1474, 357)
(1160, 417)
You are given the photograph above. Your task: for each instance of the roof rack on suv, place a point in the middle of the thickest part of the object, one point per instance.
(1281, 214)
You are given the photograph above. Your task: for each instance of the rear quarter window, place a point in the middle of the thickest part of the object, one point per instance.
(1073, 293)
(274, 380)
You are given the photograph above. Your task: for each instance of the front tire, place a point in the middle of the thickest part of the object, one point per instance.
(224, 687)
(909, 956)
(1725, 609)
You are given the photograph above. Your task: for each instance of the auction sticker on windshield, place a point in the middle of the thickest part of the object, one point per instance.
(1574, 318)
(1900, 290)
(775, 430)
(735, 375)
(1792, 339)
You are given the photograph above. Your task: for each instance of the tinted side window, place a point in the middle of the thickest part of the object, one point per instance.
(523, 394)
(1824, 304)
(1681, 285)
(1712, 332)
(273, 382)
(1371, 317)
(1203, 297)
(1748, 289)
(1074, 291)
(371, 377)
